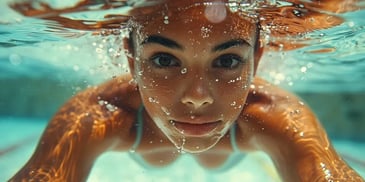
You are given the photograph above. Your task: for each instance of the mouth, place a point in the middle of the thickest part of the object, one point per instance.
(190, 129)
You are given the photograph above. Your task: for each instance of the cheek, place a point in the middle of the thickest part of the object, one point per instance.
(231, 93)
(157, 95)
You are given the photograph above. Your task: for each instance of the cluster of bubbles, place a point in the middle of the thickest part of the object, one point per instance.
(110, 107)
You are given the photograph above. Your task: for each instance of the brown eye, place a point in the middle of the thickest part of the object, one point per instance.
(227, 61)
(164, 60)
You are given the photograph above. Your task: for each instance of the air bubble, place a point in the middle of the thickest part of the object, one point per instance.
(166, 20)
(303, 69)
(184, 70)
(15, 59)
(151, 99)
(110, 107)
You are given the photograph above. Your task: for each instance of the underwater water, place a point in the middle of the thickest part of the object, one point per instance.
(44, 61)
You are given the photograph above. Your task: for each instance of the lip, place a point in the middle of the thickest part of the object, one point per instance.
(195, 129)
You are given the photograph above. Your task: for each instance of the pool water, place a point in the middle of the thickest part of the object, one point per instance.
(43, 63)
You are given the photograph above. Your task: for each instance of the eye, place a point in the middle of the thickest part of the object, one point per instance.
(164, 60)
(228, 61)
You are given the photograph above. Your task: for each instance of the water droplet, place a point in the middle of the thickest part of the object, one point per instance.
(180, 148)
(303, 69)
(184, 70)
(205, 32)
(132, 82)
(151, 99)
(110, 107)
(233, 103)
(166, 111)
(101, 102)
(217, 80)
(231, 81)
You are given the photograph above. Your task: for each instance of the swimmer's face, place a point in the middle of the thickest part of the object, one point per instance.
(193, 74)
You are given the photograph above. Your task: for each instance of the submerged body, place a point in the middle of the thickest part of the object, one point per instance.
(85, 127)
(193, 77)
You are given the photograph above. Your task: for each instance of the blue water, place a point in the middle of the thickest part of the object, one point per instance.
(43, 64)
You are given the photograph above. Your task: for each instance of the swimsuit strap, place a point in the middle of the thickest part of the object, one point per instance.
(232, 137)
(139, 128)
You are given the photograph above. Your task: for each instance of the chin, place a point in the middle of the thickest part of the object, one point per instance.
(195, 150)
(194, 144)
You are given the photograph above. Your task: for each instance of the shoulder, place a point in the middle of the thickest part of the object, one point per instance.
(274, 113)
(119, 91)
(264, 95)
(103, 111)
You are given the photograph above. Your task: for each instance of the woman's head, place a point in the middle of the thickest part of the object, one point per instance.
(193, 63)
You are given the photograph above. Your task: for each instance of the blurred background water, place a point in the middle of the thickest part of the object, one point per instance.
(42, 64)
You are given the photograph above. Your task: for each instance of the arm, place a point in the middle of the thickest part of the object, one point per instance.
(287, 130)
(81, 130)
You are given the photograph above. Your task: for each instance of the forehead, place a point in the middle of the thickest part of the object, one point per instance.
(198, 22)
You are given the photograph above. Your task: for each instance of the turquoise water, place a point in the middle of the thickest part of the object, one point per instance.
(42, 64)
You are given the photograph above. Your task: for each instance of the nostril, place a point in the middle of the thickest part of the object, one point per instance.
(197, 102)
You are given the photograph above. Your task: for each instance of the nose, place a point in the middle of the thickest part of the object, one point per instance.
(197, 94)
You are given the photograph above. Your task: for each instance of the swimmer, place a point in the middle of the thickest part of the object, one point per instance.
(192, 88)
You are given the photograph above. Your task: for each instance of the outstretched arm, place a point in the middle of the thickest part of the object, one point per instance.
(285, 128)
(82, 129)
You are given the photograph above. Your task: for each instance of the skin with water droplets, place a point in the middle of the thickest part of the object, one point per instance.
(83, 129)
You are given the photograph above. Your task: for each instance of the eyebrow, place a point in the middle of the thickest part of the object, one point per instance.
(156, 39)
(229, 44)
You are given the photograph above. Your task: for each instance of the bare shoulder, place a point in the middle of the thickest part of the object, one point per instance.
(273, 112)
(107, 109)
(282, 125)
(93, 121)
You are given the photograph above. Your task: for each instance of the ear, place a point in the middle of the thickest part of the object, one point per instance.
(129, 52)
